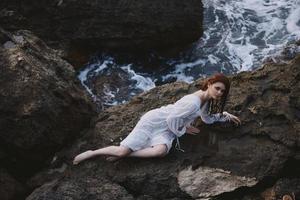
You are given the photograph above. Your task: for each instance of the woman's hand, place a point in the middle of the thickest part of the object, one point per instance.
(192, 130)
(233, 118)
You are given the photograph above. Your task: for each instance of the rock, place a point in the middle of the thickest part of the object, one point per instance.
(109, 86)
(42, 106)
(44, 176)
(273, 91)
(245, 159)
(91, 190)
(104, 24)
(285, 188)
(251, 157)
(205, 182)
(289, 52)
(10, 188)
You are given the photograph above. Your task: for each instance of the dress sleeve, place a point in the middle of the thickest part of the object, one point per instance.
(212, 118)
(175, 119)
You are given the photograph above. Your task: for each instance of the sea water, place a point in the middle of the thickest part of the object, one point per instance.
(238, 36)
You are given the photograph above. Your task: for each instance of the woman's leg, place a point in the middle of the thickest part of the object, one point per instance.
(159, 150)
(118, 151)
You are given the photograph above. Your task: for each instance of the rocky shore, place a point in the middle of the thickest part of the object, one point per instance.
(258, 160)
(47, 118)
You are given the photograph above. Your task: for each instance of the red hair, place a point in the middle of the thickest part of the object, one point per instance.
(217, 106)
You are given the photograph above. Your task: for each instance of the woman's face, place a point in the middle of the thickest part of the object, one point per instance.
(216, 90)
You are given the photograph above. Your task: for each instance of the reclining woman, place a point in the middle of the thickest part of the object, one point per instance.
(154, 133)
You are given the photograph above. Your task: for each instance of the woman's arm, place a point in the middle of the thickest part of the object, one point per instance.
(233, 118)
(219, 117)
(175, 119)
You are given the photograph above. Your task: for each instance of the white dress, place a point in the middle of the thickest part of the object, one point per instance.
(164, 124)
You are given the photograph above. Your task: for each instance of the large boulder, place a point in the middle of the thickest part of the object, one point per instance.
(223, 161)
(43, 107)
(109, 24)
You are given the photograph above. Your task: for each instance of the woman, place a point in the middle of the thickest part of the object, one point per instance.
(154, 133)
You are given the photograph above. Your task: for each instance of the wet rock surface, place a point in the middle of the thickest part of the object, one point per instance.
(42, 106)
(260, 154)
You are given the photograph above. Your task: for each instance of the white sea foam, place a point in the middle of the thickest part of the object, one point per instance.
(241, 54)
(83, 76)
(139, 82)
(95, 68)
(179, 72)
(259, 25)
(143, 83)
(213, 59)
(239, 35)
(293, 22)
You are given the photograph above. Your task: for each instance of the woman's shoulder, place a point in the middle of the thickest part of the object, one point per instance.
(191, 98)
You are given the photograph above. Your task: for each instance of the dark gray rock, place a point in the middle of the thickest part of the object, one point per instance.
(284, 187)
(42, 106)
(87, 188)
(106, 24)
(10, 188)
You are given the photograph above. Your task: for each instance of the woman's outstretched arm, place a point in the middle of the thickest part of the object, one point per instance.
(219, 117)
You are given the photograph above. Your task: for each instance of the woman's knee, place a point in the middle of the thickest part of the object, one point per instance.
(123, 151)
(161, 150)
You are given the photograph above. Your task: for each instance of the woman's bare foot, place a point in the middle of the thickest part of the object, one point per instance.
(113, 158)
(83, 156)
